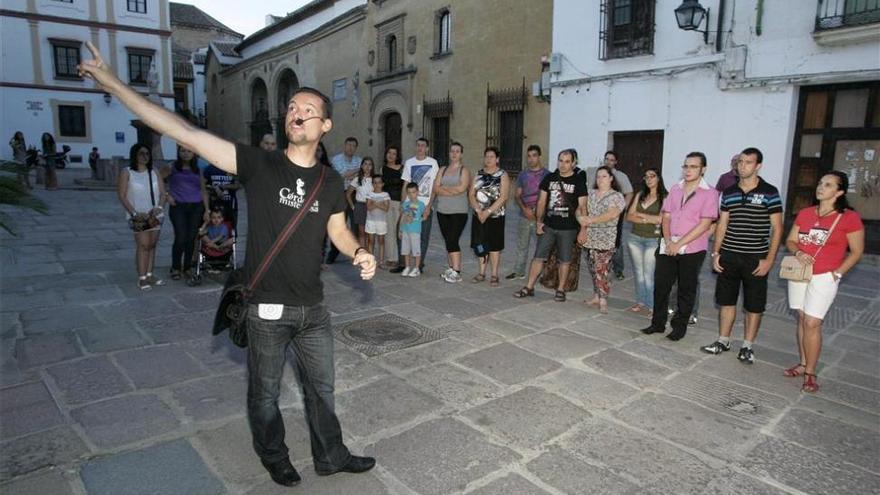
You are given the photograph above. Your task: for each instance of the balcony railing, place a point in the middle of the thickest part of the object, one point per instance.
(842, 13)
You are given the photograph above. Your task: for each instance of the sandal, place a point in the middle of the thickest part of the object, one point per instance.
(810, 384)
(635, 308)
(603, 306)
(144, 284)
(478, 278)
(795, 370)
(524, 292)
(559, 296)
(592, 303)
(494, 282)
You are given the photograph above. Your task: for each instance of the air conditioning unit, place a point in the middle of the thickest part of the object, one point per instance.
(555, 63)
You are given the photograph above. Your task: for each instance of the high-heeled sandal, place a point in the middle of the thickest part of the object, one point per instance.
(796, 370)
(810, 384)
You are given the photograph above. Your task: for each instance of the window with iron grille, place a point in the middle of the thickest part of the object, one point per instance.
(840, 13)
(139, 6)
(436, 115)
(626, 28)
(391, 50)
(72, 120)
(505, 110)
(66, 55)
(139, 66)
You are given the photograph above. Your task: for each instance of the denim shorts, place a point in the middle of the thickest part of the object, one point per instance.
(563, 239)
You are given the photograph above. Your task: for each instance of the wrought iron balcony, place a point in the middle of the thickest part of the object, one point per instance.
(832, 14)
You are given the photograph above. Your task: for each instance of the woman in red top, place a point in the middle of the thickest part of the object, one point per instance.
(820, 237)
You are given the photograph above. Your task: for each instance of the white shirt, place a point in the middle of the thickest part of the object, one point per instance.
(423, 173)
(377, 214)
(362, 188)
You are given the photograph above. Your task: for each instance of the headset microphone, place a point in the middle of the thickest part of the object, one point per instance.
(302, 121)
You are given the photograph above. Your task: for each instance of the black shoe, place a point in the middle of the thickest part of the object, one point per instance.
(282, 472)
(355, 464)
(649, 330)
(746, 355)
(716, 347)
(676, 335)
(620, 276)
(397, 269)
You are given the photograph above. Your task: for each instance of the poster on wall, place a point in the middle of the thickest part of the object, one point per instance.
(860, 161)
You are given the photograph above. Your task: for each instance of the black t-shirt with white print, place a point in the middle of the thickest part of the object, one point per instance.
(276, 189)
(562, 199)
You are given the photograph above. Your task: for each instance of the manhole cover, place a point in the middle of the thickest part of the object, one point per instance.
(381, 334)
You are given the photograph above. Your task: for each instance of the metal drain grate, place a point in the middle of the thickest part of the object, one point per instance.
(377, 335)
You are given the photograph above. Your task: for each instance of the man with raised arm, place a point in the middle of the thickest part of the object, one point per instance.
(286, 307)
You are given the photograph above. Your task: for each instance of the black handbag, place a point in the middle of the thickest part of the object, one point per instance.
(232, 313)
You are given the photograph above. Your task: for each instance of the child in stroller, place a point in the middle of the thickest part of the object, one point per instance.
(216, 246)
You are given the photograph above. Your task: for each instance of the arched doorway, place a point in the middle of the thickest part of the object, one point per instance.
(391, 130)
(287, 84)
(259, 123)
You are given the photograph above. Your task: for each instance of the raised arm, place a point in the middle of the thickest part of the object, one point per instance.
(216, 150)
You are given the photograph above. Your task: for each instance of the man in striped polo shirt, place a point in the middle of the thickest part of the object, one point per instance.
(746, 240)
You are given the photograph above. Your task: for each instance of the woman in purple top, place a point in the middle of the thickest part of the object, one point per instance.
(189, 208)
(688, 212)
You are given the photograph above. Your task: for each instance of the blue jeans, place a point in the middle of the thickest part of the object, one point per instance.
(426, 237)
(186, 219)
(641, 253)
(306, 329)
(525, 232)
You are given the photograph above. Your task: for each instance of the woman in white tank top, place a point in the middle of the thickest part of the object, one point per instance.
(142, 193)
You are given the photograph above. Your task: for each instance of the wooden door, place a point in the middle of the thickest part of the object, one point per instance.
(637, 151)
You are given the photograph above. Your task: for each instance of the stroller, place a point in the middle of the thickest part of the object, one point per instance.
(209, 260)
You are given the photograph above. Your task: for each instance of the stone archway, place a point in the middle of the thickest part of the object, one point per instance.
(390, 119)
(286, 84)
(259, 111)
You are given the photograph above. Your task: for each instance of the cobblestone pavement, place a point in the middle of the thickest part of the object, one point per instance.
(108, 390)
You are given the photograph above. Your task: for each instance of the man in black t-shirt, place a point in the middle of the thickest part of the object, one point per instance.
(286, 307)
(221, 189)
(563, 193)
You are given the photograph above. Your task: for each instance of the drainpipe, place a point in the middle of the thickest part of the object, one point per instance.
(760, 19)
(720, 26)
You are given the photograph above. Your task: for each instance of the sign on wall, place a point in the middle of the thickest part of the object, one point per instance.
(120, 137)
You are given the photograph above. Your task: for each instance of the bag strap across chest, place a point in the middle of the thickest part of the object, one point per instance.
(286, 233)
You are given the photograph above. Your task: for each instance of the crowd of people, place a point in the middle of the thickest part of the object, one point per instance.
(572, 213)
(45, 160)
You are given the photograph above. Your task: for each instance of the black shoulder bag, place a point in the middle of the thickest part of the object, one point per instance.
(232, 312)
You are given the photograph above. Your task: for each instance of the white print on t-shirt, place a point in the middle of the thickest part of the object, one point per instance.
(757, 199)
(816, 236)
(559, 207)
(297, 198)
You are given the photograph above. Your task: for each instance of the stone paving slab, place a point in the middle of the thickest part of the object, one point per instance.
(424, 355)
(170, 468)
(689, 424)
(212, 398)
(50, 481)
(470, 334)
(88, 380)
(561, 344)
(508, 364)
(736, 484)
(46, 448)
(361, 484)
(27, 408)
(807, 470)
(383, 404)
(832, 437)
(527, 418)
(123, 420)
(164, 329)
(40, 350)
(57, 320)
(454, 385)
(570, 474)
(440, 456)
(850, 415)
(153, 367)
(630, 369)
(111, 337)
(726, 397)
(512, 483)
(591, 391)
(505, 329)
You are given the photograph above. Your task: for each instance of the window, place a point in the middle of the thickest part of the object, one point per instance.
(627, 28)
(391, 49)
(139, 62)
(505, 110)
(838, 13)
(436, 115)
(72, 120)
(139, 6)
(339, 89)
(444, 31)
(66, 58)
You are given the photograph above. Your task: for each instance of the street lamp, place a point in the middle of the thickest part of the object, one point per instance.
(690, 15)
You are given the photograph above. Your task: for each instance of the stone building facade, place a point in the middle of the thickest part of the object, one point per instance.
(396, 70)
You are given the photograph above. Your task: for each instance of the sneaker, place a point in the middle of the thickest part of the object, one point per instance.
(512, 276)
(405, 272)
(746, 355)
(452, 277)
(692, 320)
(716, 347)
(415, 272)
(446, 272)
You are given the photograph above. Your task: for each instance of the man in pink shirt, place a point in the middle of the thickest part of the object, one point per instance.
(688, 212)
